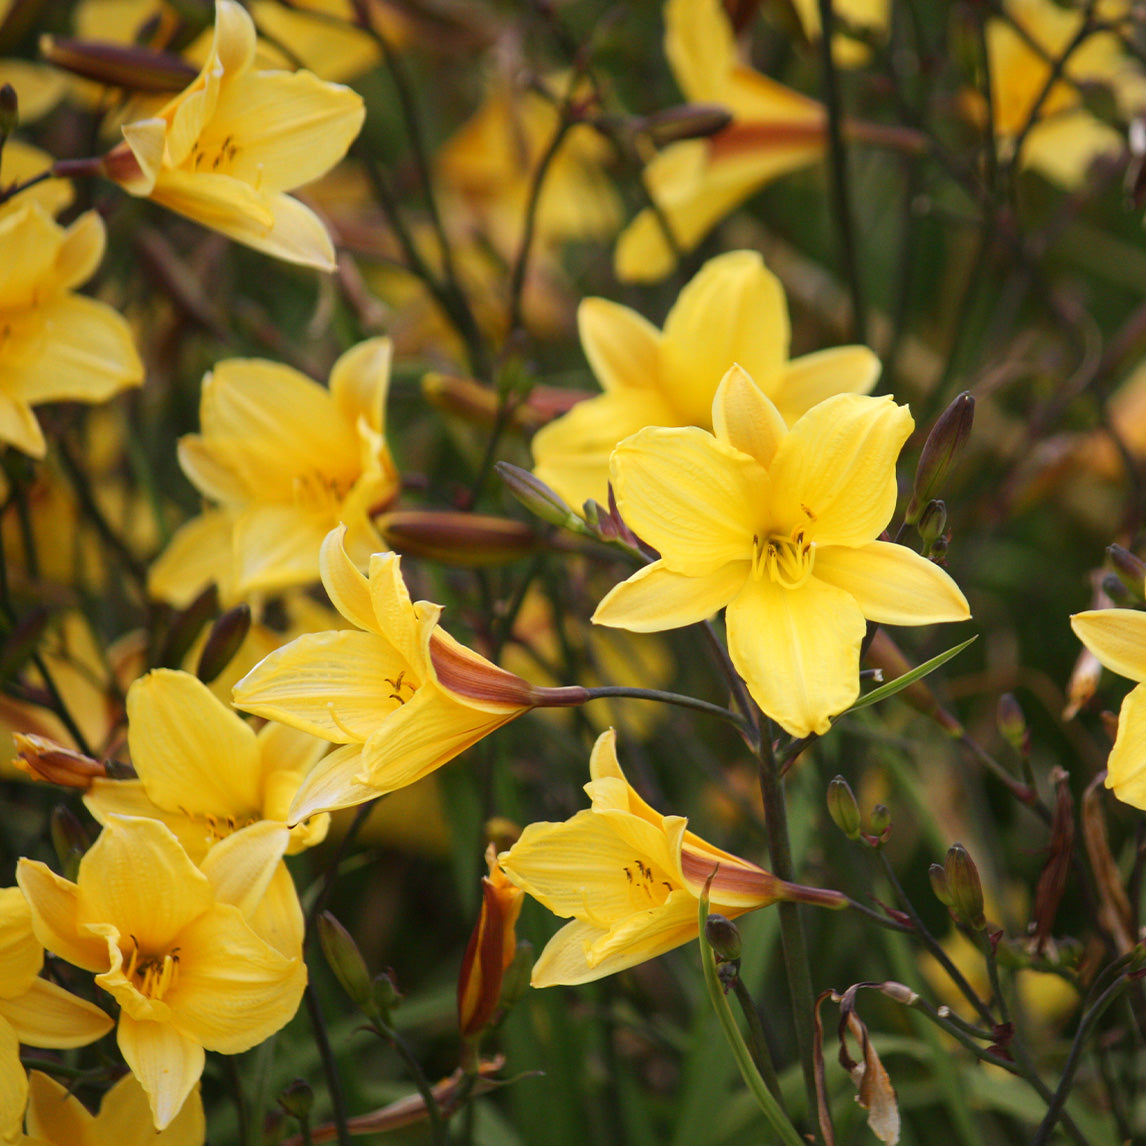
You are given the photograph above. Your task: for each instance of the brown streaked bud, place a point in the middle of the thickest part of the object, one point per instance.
(1053, 878)
(944, 444)
(345, 960)
(1012, 724)
(70, 840)
(964, 886)
(1130, 570)
(225, 639)
(44, 759)
(455, 538)
(686, 121)
(9, 111)
(297, 1099)
(123, 66)
(939, 884)
(538, 498)
(723, 937)
(843, 809)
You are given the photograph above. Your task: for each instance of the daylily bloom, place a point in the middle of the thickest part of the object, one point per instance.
(57, 1118)
(54, 345)
(780, 525)
(225, 151)
(696, 182)
(32, 1010)
(401, 696)
(1065, 138)
(206, 774)
(1117, 637)
(630, 879)
(732, 311)
(172, 943)
(287, 460)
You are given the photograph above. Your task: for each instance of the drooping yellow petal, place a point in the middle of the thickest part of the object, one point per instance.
(700, 49)
(1117, 637)
(347, 588)
(21, 955)
(622, 346)
(797, 650)
(836, 468)
(19, 428)
(1126, 767)
(53, 901)
(808, 380)
(46, 1015)
(692, 498)
(57, 1116)
(334, 783)
(124, 1119)
(360, 381)
(655, 598)
(892, 584)
(406, 626)
(166, 1063)
(733, 310)
(745, 418)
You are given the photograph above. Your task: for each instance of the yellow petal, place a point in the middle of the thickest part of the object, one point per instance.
(39, 88)
(700, 48)
(53, 902)
(360, 381)
(745, 418)
(19, 428)
(407, 627)
(199, 554)
(1064, 146)
(20, 161)
(836, 468)
(13, 1086)
(21, 955)
(1126, 767)
(656, 598)
(277, 919)
(242, 866)
(733, 310)
(276, 546)
(623, 347)
(29, 243)
(124, 1113)
(892, 584)
(805, 381)
(81, 250)
(192, 753)
(334, 783)
(797, 650)
(166, 1063)
(55, 1115)
(1117, 637)
(147, 139)
(692, 498)
(129, 798)
(46, 1015)
(348, 589)
(334, 50)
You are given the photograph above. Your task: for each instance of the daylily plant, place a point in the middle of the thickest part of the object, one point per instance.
(780, 525)
(734, 310)
(630, 879)
(225, 151)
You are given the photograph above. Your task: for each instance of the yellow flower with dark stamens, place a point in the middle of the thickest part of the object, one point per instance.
(286, 460)
(732, 311)
(226, 150)
(54, 345)
(174, 945)
(400, 695)
(630, 879)
(778, 524)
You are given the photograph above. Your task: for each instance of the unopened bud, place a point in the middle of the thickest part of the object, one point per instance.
(900, 992)
(843, 809)
(1113, 587)
(964, 886)
(345, 960)
(297, 1099)
(9, 111)
(225, 639)
(515, 980)
(124, 66)
(185, 628)
(880, 822)
(723, 937)
(939, 884)
(943, 446)
(384, 993)
(454, 538)
(1012, 724)
(932, 522)
(687, 121)
(537, 497)
(1130, 570)
(44, 759)
(937, 550)
(70, 839)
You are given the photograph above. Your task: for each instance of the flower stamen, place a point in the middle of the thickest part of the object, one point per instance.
(786, 561)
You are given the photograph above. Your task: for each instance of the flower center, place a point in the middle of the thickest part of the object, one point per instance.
(219, 827)
(787, 561)
(648, 886)
(319, 493)
(153, 975)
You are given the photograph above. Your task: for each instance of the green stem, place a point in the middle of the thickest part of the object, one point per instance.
(433, 1110)
(757, 1042)
(697, 705)
(329, 1065)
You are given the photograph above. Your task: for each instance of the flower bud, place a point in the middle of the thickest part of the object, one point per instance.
(939, 884)
(515, 979)
(225, 639)
(686, 121)
(538, 498)
(880, 823)
(297, 1099)
(943, 446)
(1012, 724)
(124, 66)
(932, 522)
(455, 538)
(900, 992)
(843, 809)
(185, 627)
(70, 839)
(345, 960)
(9, 111)
(384, 993)
(44, 759)
(1130, 570)
(964, 886)
(1114, 589)
(723, 937)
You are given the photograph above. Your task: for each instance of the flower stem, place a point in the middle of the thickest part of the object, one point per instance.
(615, 690)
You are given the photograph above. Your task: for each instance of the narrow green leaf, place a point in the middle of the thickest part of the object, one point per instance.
(901, 682)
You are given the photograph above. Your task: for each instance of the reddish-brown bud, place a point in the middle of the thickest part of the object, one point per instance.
(454, 538)
(944, 444)
(225, 639)
(119, 65)
(44, 759)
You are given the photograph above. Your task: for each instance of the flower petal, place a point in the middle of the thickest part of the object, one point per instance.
(836, 469)
(1117, 637)
(695, 500)
(167, 1064)
(360, 381)
(406, 626)
(797, 650)
(892, 584)
(276, 546)
(46, 1015)
(655, 598)
(347, 588)
(53, 901)
(622, 346)
(19, 428)
(333, 784)
(198, 554)
(124, 1109)
(54, 1115)
(21, 955)
(13, 1086)
(745, 418)
(805, 382)
(1126, 768)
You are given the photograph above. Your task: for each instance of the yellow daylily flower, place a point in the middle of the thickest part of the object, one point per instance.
(1066, 138)
(732, 311)
(401, 696)
(58, 1118)
(779, 525)
(20, 161)
(1117, 637)
(32, 1010)
(630, 879)
(774, 130)
(54, 345)
(225, 151)
(174, 945)
(287, 460)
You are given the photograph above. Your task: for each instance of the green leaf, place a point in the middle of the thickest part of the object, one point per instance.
(901, 682)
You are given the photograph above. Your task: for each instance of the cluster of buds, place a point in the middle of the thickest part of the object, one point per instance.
(942, 449)
(957, 886)
(844, 810)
